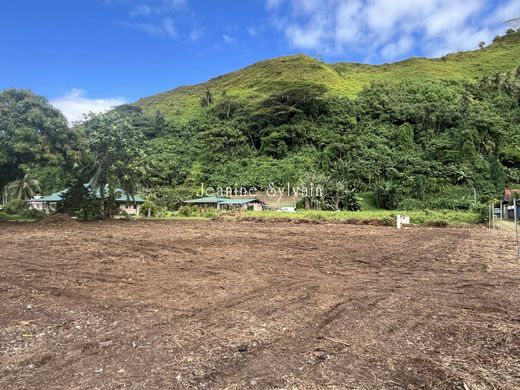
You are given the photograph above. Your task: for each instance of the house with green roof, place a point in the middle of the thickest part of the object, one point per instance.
(126, 203)
(227, 203)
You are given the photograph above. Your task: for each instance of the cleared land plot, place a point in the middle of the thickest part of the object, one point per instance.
(215, 304)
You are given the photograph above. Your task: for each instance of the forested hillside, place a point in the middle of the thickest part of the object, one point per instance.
(339, 79)
(419, 134)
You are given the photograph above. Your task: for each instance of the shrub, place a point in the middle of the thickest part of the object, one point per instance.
(15, 206)
(482, 211)
(185, 211)
(154, 209)
(33, 214)
(209, 213)
(386, 196)
(389, 221)
(437, 223)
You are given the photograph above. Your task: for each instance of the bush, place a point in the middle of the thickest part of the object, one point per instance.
(186, 211)
(386, 196)
(389, 221)
(15, 206)
(154, 209)
(437, 223)
(209, 213)
(33, 214)
(482, 211)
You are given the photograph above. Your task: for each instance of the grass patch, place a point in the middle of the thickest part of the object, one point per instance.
(438, 218)
(16, 218)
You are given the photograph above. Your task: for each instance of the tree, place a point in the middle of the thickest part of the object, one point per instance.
(481, 45)
(288, 100)
(206, 99)
(24, 188)
(115, 147)
(321, 192)
(79, 200)
(33, 134)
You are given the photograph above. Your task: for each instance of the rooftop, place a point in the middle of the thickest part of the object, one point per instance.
(216, 200)
(121, 196)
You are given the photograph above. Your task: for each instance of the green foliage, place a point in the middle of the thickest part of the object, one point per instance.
(416, 144)
(419, 134)
(378, 217)
(368, 200)
(33, 134)
(321, 192)
(15, 206)
(28, 215)
(386, 196)
(24, 188)
(341, 79)
(80, 201)
(115, 146)
(149, 206)
(196, 212)
(437, 223)
(482, 212)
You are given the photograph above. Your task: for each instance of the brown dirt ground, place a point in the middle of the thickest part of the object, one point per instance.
(198, 304)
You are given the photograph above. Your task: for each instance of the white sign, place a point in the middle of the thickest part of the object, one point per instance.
(402, 220)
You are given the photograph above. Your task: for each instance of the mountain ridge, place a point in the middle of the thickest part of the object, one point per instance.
(340, 78)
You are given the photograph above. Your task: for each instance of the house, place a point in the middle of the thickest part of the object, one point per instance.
(228, 203)
(125, 202)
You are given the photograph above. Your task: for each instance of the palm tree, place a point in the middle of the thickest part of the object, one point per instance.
(24, 188)
(206, 99)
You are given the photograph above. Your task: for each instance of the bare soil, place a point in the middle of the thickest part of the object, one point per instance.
(236, 305)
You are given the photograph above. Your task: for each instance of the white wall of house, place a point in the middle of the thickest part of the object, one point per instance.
(130, 208)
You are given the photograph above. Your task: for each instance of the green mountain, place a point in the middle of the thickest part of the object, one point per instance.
(341, 79)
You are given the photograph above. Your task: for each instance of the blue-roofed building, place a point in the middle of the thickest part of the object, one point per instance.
(227, 203)
(126, 203)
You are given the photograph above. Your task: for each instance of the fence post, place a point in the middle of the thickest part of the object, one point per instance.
(515, 214)
(501, 217)
(493, 215)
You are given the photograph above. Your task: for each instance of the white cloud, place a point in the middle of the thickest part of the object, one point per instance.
(169, 27)
(162, 18)
(162, 28)
(196, 33)
(509, 10)
(396, 49)
(273, 4)
(229, 40)
(150, 29)
(157, 7)
(74, 104)
(389, 29)
(141, 9)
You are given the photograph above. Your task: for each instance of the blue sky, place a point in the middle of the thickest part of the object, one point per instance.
(92, 54)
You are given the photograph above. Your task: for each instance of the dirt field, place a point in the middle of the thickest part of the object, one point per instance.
(256, 305)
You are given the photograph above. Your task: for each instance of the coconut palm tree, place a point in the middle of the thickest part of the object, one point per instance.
(24, 188)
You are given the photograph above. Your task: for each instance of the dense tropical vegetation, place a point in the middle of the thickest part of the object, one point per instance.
(413, 142)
